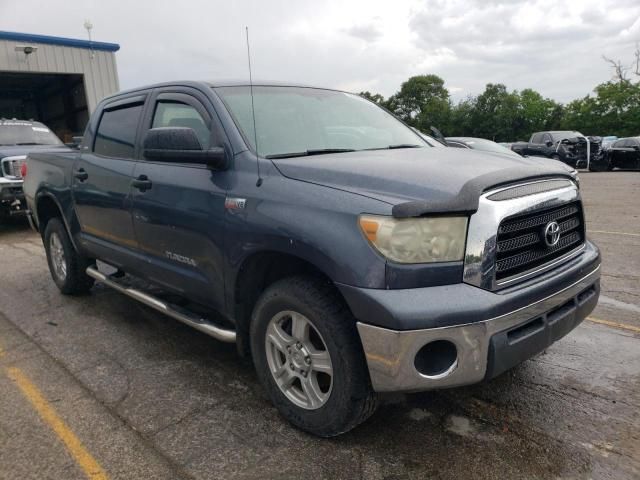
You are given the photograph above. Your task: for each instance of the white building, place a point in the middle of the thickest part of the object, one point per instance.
(57, 81)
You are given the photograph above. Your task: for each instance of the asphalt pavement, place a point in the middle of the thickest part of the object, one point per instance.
(101, 387)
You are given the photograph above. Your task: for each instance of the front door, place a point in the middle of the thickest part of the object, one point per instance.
(178, 214)
(102, 178)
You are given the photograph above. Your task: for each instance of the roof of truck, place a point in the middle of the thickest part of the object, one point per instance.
(219, 84)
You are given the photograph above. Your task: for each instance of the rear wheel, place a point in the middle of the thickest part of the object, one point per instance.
(67, 267)
(308, 357)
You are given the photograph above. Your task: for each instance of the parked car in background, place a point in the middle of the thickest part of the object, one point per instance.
(623, 153)
(339, 252)
(17, 139)
(432, 142)
(481, 144)
(608, 141)
(494, 148)
(568, 146)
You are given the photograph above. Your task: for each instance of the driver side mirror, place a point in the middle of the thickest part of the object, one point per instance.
(75, 143)
(181, 144)
(549, 143)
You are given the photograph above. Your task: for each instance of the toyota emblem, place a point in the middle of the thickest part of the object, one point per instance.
(552, 234)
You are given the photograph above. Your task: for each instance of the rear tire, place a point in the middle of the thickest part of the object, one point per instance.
(329, 343)
(66, 265)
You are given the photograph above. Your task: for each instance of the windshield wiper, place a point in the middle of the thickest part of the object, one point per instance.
(398, 145)
(28, 143)
(307, 153)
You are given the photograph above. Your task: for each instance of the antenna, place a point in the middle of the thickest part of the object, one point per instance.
(253, 110)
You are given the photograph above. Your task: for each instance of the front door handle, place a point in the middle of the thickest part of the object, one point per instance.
(81, 174)
(142, 183)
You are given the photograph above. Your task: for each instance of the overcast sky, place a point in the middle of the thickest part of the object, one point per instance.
(553, 46)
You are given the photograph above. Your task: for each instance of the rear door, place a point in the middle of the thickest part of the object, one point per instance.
(634, 153)
(102, 180)
(619, 153)
(179, 220)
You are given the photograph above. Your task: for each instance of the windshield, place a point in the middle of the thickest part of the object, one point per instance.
(488, 146)
(559, 136)
(292, 120)
(26, 133)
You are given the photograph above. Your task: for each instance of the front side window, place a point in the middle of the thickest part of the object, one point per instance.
(176, 114)
(537, 138)
(116, 134)
(293, 120)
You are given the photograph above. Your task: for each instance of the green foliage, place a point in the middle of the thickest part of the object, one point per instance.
(501, 115)
(422, 101)
(614, 110)
(374, 97)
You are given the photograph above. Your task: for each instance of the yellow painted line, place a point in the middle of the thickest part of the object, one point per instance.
(87, 463)
(615, 233)
(609, 323)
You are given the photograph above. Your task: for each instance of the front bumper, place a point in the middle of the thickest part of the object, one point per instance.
(12, 199)
(487, 346)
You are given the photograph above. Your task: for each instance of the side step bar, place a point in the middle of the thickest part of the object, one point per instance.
(181, 315)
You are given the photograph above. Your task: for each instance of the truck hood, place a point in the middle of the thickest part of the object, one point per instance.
(418, 181)
(14, 150)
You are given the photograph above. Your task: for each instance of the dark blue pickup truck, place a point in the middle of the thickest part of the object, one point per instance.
(337, 249)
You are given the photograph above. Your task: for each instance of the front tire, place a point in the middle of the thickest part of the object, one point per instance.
(308, 357)
(67, 267)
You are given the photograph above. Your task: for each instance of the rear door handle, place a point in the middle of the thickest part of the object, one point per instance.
(142, 183)
(81, 174)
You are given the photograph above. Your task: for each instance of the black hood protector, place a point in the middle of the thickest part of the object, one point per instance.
(420, 181)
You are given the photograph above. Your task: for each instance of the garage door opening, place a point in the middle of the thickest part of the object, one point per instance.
(57, 100)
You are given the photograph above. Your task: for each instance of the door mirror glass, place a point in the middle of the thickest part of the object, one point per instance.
(181, 144)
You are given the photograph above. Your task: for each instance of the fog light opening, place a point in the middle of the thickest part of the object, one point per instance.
(437, 359)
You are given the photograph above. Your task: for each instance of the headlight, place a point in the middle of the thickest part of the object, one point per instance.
(416, 240)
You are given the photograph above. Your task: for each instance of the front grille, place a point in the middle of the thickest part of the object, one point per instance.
(521, 244)
(11, 167)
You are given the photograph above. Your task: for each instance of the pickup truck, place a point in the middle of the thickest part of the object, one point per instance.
(17, 138)
(569, 147)
(321, 235)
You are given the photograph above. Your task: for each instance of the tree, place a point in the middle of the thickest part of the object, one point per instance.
(374, 97)
(496, 114)
(620, 70)
(422, 101)
(537, 113)
(614, 110)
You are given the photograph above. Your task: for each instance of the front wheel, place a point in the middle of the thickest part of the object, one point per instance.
(308, 357)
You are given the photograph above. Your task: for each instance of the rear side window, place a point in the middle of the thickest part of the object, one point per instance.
(176, 114)
(116, 134)
(537, 138)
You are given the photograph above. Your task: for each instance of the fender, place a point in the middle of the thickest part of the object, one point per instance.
(44, 193)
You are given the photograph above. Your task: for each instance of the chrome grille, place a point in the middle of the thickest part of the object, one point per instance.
(521, 246)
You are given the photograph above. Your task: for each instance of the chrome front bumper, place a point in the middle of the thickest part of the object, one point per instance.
(391, 354)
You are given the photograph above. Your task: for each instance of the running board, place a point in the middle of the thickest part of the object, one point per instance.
(181, 315)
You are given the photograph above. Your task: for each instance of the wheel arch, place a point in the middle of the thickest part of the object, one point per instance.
(257, 272)
(47, 207)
